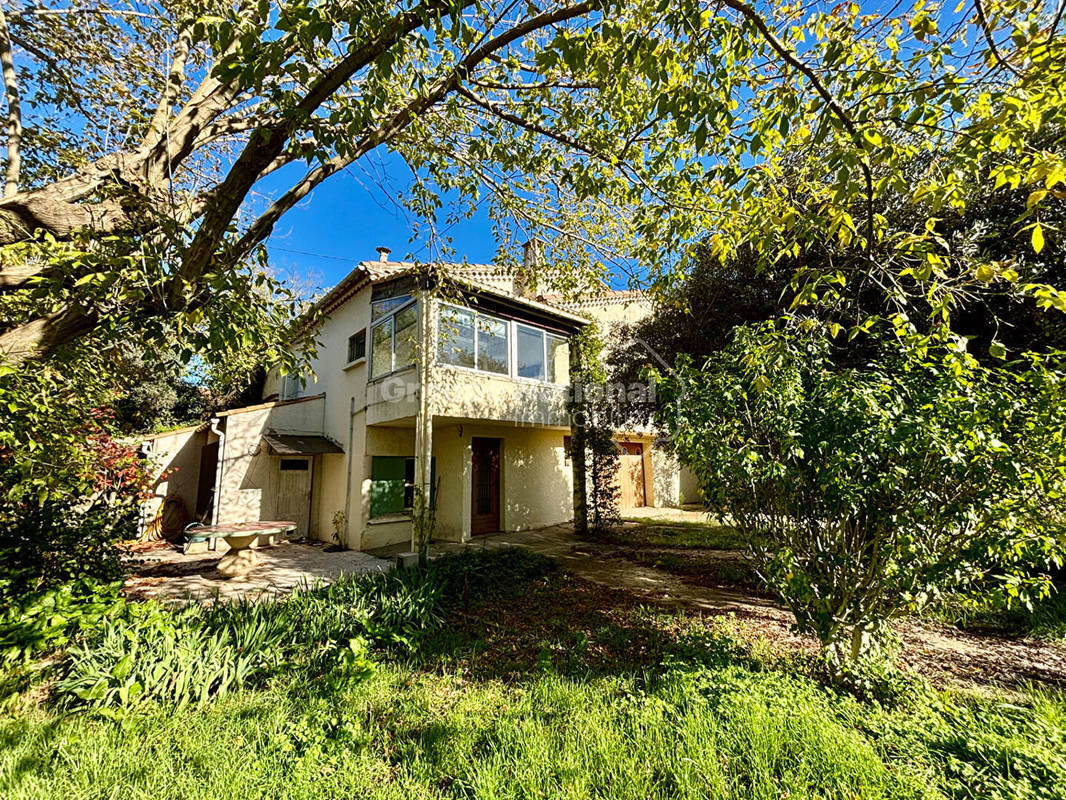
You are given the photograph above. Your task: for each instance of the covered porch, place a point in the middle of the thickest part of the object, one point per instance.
(486, 477)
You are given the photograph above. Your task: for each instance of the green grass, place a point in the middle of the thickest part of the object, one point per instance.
(544, 686)
(710, 732)
(657, 533)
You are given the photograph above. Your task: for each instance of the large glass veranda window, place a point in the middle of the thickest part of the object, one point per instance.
(393, 331)
(474, 340)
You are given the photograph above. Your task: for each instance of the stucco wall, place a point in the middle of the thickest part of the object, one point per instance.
(174, 460)
(536, 486)
(249, 474)
(382, 441)
(535, 481)
(666, 478)
(332, 375)
(477, 395)
(690, 486)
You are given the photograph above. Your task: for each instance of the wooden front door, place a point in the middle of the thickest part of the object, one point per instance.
(485, 486)
(294, 493)
(631, 475)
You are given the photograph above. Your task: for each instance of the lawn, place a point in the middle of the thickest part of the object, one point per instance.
(535, 683)
(711, 535)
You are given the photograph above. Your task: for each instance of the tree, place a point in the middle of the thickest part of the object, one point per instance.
(593, 451)
(868, 492)
(138, 138)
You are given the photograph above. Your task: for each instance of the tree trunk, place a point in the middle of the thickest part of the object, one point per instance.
(577, 446)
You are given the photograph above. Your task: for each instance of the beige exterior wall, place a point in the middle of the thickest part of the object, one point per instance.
(175, 458)
(535, 482)
(371, 533)
(666, 477)
(377, 418)
(249, 474)
(467, 394)
(690, 487)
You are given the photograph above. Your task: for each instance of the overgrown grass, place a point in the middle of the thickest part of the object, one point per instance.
(728, 731)
(535, 685)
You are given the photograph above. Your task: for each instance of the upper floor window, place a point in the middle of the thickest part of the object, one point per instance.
(542, 355)
(357, 346)
(474, 340)
(392, 335)
(479, 341)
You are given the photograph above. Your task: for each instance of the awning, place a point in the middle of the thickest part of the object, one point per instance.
(301, 445)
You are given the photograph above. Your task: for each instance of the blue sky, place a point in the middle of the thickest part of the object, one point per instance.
(349, 215)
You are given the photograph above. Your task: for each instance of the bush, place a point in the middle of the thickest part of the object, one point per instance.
(50, 619)
(870, 491)
(47, 546)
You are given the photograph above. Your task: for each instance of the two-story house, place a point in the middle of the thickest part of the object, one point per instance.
(486, 410)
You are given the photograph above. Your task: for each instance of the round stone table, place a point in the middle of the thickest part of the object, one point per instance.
(240, 536)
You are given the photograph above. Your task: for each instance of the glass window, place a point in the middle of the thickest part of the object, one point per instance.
(406, 324)
(492, 350)
(456, 335)
(392, 484)
(558, 359)
(357, 346)
(382, 308)
(290, 387)
(381, 352)
(530, 353)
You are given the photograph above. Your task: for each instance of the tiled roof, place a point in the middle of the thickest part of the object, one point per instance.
(476, 276)
(609, 297)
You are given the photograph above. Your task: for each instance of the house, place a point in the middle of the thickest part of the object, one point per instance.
(339, 452)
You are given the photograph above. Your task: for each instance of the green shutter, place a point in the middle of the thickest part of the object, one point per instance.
(386, 485)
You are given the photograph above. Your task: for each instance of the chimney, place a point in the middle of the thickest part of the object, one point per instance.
(532, 254)
(383, 253)
(527, 281)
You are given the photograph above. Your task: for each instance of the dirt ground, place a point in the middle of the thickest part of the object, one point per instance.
(706, 582)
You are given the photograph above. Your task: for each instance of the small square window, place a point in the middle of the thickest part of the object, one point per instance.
(357, 346)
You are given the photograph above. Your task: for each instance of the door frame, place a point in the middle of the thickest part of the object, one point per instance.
(310, 459)
(497, 443)
(623, 449)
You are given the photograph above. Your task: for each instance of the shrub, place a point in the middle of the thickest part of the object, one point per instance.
(867, 492)
(45, 546)
(51, 618)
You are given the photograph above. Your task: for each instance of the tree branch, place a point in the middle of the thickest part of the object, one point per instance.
(982, 21)
(172, 86)
(796, 62)
(262, 227)
(13, 167)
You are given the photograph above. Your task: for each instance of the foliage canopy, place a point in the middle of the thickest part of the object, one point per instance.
(868, 492)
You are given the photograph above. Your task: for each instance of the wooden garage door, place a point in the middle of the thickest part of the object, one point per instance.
(631, 475)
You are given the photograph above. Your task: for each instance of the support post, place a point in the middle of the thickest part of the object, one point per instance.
(423, 512)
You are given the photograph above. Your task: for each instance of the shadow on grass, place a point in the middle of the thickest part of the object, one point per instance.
(577, 629)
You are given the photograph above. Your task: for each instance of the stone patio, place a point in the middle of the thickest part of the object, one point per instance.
(163, 572)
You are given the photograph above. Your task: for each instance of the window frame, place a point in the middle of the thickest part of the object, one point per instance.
(511, 326)
(412, 300)
(477, 316)
(291, 387)
(543, 353)
(407, 489)
(358, 359)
